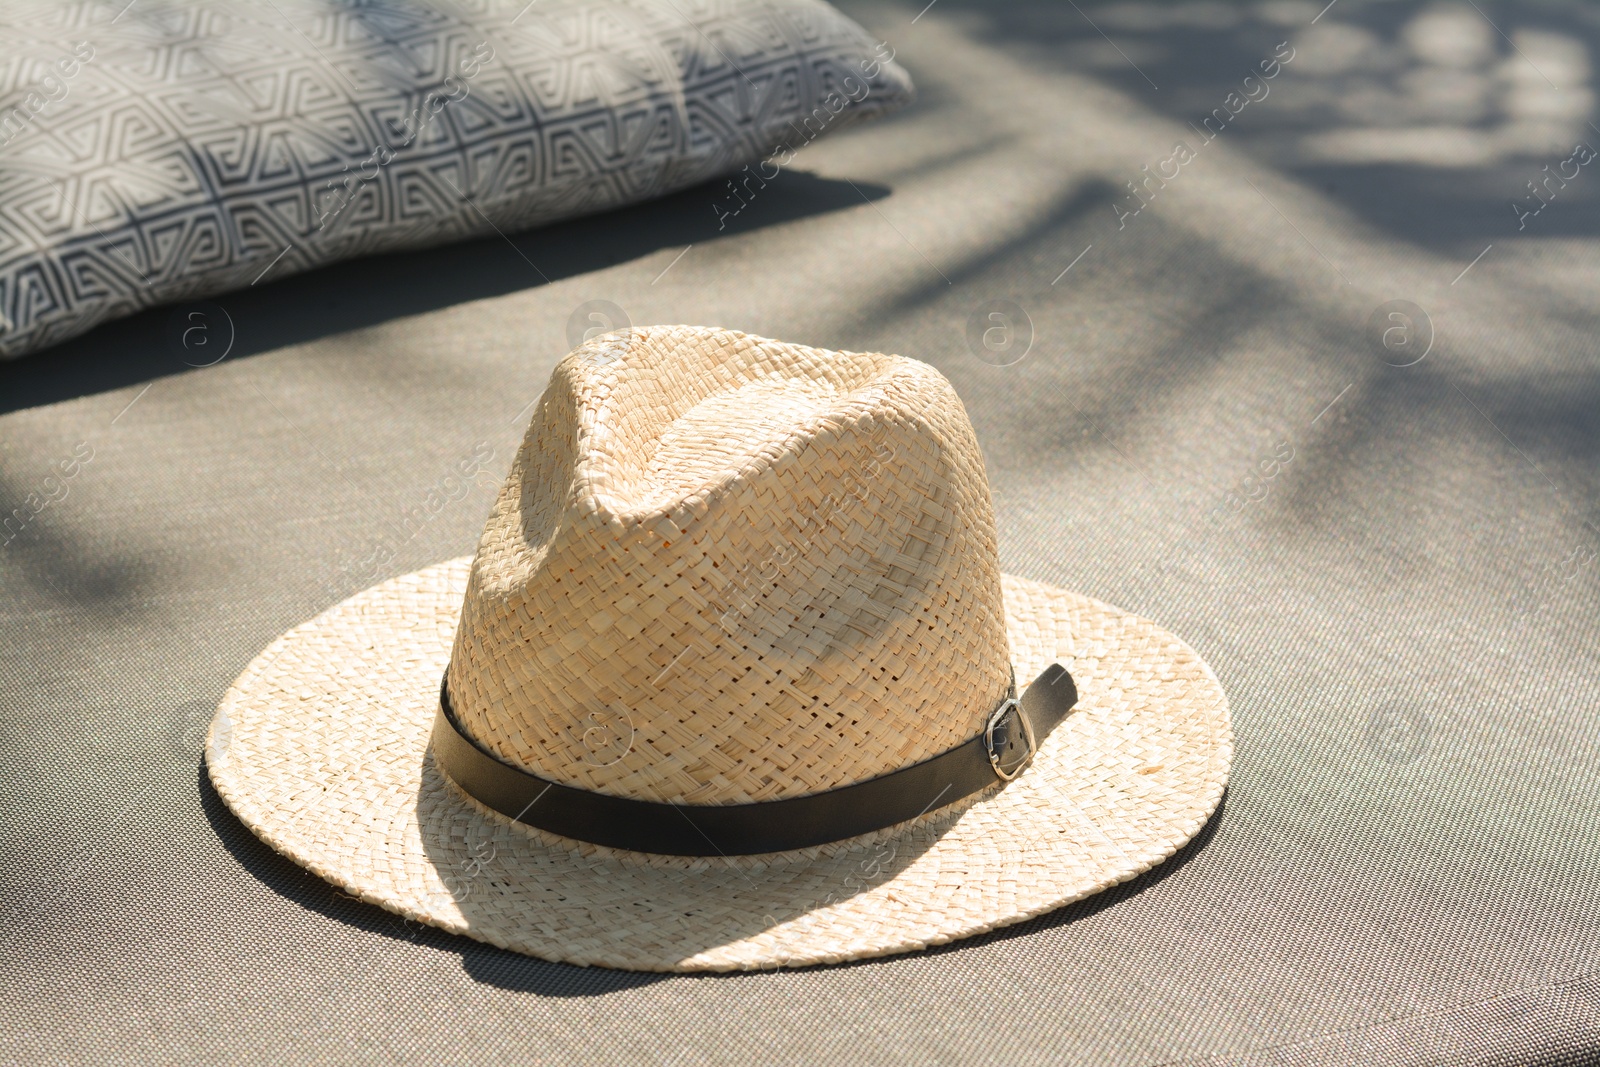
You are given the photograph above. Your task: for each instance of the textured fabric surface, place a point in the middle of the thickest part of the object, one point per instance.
(183, 148)
(1404, 869)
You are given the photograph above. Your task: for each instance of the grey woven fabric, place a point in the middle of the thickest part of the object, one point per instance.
(1391, 567)
(183, 148)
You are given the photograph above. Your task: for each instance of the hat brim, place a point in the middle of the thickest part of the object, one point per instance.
(321, 748)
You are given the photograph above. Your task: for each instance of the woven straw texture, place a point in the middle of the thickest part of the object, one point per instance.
(593, 642)
(774, 567)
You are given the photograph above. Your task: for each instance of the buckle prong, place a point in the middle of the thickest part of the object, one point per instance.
(1011, 705)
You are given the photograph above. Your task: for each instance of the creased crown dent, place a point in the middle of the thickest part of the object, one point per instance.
(726, 569)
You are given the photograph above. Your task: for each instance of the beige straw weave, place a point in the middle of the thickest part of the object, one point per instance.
(723, 569)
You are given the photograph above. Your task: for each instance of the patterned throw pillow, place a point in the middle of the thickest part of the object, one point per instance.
(165, 150)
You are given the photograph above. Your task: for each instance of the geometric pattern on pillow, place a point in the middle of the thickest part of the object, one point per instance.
(180, 150)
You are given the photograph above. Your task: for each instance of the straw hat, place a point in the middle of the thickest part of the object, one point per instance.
(737, 644)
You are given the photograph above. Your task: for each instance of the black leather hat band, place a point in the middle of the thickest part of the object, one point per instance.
(1014, 732)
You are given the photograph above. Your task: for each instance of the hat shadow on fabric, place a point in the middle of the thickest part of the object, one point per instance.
(358, 293)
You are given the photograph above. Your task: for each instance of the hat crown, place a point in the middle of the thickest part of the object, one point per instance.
(725, 569)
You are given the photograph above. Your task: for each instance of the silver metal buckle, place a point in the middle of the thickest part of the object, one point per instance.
(1010, 704)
